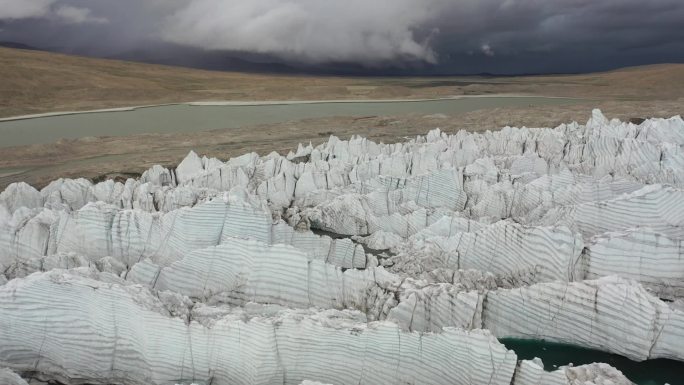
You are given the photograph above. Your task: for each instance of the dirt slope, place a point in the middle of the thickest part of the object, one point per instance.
(35, 82)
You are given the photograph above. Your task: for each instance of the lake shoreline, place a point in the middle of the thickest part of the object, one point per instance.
(92, 157)
(205, 116)
(229, 103)
(555, 355)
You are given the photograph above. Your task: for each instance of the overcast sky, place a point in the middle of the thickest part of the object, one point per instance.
(425, 36)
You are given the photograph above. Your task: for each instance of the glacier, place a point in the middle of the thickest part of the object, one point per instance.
(355, 262)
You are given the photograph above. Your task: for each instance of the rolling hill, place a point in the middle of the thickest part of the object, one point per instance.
(37, 82)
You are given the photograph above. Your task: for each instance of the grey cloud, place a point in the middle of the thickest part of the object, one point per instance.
(309, 30)
(77, 15)
(45, 9)
(20, 9)
(447, 36)
(487, 50)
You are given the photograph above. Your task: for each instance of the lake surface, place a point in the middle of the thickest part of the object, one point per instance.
(651, 372)
(187, 118)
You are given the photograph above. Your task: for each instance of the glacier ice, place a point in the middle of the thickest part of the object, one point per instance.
(355, 262)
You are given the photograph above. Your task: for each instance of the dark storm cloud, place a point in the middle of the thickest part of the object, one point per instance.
(456, 36)
(14, 9)
(309, 30)
(67, 14)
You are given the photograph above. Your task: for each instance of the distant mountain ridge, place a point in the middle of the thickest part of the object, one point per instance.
(216, 60)
(15, 45)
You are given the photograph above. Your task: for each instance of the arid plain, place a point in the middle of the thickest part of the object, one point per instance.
(38, 82)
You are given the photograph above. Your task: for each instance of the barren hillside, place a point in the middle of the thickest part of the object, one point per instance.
(35, 82)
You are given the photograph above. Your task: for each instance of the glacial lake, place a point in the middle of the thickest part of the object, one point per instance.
(191, 118)
(651, 372)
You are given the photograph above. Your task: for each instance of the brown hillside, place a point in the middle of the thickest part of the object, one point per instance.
(36, 82)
